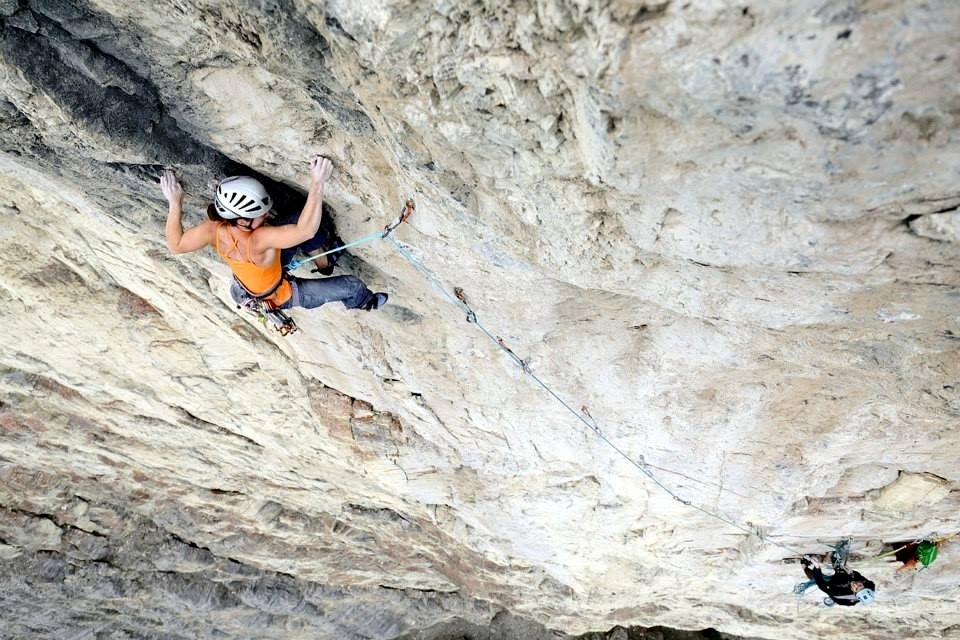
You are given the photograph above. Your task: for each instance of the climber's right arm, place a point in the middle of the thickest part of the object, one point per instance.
(290, 235)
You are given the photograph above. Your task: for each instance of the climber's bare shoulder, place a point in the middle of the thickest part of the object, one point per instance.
(281, 237)
(196, 238)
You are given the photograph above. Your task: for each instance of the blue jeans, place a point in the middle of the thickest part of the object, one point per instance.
(310, 293)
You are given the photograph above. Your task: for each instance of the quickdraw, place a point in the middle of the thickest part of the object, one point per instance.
(265, 310)
(520, 361)
(408, 208)
(406, 212)
(462, 297)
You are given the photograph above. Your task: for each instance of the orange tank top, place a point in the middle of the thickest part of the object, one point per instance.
(255, 278)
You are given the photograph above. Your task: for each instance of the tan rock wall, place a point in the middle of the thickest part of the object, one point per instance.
(728, 230)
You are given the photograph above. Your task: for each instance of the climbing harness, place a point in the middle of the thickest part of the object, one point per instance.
(265, 310)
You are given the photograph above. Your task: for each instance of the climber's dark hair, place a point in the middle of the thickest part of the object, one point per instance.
(213, 215)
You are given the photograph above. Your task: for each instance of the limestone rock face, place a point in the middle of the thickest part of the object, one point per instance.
(724, 234)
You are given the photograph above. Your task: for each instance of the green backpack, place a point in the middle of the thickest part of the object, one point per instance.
(926, 552)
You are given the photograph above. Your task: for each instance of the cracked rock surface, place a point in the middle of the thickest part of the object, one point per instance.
(727, 233)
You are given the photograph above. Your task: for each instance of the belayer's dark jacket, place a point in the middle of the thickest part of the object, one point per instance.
(837, 586)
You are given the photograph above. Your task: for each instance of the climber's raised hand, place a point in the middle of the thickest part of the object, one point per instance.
(171, 188)
(320, 169)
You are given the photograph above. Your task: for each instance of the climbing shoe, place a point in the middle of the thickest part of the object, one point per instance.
(324, 271)
(330, 259)
(376, 301)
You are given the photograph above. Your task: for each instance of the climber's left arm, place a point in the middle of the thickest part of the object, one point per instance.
(178, 240)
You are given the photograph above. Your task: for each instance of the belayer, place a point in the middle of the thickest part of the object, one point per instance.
(922, 552)
(843, 587)
(252, 249)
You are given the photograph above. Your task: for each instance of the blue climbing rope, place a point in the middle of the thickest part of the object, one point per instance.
(294, 264)
(459, 300)
(408, 208)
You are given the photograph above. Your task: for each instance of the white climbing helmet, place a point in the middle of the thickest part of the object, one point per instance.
(866, 596)
(241, 197)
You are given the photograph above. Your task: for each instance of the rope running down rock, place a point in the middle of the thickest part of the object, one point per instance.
(458, 299)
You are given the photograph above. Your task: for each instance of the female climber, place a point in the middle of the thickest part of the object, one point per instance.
(252, 249)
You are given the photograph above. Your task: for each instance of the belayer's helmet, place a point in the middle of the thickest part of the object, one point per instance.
(866, 596)
(241, 197)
